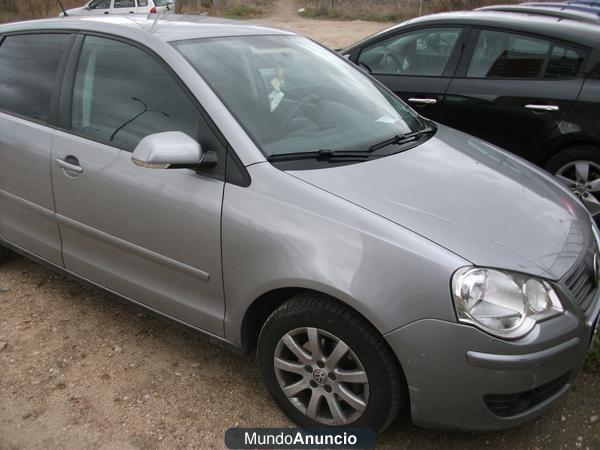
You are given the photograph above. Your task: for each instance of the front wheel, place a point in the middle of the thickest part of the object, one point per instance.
(327, 366)
(578, 168)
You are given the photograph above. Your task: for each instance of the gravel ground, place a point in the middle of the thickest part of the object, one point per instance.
(79, 369)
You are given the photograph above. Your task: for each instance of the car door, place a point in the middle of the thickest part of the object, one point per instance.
(31, 67)
(100, 7)
(124, 7)
(512, 88)
(151, 235)
(416, 65)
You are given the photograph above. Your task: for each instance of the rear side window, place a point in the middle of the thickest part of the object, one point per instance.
(123, 94)
(28, 69)
(124, 3)
(510, 55)
(142, 2)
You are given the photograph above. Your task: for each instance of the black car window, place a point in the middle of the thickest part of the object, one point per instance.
(142, 2)
(124, 4)
(122, 94)
(423, 52)
(510, 55)
(28, 70)
(100, 4)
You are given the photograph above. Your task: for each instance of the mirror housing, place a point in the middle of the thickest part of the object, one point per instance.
(171, 150)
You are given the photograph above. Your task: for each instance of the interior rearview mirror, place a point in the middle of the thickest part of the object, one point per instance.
(171, 150)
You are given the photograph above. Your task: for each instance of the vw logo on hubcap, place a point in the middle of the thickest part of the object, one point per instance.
(320, 376)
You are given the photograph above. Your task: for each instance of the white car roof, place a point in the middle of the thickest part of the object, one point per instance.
(166, 27)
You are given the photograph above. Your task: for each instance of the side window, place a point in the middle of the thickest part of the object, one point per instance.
(564, 62)
(122, 94)
(28, 69)
(124, 3)
(423, 52)
(510, 55)
(142, 3)
(100, 4)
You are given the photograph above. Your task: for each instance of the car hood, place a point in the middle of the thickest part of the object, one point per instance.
(472, 198)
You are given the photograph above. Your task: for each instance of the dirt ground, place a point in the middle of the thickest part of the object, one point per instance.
(79, 369)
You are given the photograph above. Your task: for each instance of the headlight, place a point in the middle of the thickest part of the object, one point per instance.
(502, 303)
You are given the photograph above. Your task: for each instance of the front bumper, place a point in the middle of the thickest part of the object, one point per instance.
(460, 377)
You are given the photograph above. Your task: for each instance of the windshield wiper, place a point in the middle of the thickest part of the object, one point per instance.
(351, 155)
(400, 139)
(325, 155)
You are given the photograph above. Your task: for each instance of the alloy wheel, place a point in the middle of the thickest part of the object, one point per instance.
(321, 376)
(583, 178)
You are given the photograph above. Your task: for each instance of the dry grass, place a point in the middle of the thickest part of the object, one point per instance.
(386, 10)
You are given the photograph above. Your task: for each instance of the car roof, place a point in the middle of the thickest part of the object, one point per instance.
(166, 27)
(556, 27)
(563, 11)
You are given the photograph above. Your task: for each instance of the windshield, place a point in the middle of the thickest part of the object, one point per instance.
(292, 95)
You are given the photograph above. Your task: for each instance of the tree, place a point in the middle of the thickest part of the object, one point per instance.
(326, 6)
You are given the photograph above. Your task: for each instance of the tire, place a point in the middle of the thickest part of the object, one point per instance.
(564, 166)
(381, 397)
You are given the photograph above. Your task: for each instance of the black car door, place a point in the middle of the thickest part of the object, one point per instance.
(416, 64)
(512, 88)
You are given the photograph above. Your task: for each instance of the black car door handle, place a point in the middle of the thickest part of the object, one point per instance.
(542, 107)
(423, 101)
(70, 164)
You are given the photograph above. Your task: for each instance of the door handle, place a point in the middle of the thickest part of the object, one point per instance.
(543, 107)
(423, 101)
(106, 12)
(70, 164)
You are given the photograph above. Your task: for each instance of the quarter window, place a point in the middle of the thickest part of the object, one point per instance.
(123, 94)
(423, 52)
(28, 69)
(508, 55)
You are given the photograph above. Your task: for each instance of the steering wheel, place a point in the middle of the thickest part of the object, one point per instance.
(301, 104)
(390, 58)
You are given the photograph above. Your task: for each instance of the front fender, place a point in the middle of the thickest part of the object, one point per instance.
(281, 232)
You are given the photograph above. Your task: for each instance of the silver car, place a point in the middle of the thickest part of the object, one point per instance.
(253, 185)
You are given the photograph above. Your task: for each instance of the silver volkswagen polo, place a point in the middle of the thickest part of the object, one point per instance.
(254, 186)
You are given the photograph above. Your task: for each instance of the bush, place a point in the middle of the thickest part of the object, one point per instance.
(386, 10)
(33, 9)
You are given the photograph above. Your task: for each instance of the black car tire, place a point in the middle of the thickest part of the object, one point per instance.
(569, 156)
(3, 254)
(386, 383)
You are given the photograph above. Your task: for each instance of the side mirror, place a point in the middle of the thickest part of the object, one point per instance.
(171, 150)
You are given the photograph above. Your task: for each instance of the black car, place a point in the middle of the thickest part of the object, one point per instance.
(527, 83)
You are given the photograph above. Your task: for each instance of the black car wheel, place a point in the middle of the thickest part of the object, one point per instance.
(327, 366)
(3, 253)
(579, 169)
